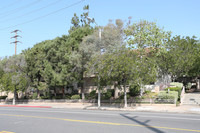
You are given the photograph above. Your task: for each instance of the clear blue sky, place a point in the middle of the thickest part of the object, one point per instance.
(179, 16)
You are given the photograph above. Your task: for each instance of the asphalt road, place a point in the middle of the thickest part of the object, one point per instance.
(41, 120)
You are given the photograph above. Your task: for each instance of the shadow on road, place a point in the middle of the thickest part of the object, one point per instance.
(142, 123)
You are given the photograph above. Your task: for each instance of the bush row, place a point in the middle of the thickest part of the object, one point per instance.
(50, 96)
(168, 95)
(177, 89)
(3, 97)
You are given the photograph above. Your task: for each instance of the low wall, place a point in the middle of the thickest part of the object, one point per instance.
(48, 101)
(109, 103)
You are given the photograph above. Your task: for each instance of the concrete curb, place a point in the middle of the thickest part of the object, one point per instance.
(25, 106)
(157, 108)
(143, 110)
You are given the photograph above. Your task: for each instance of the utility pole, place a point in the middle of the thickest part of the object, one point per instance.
(101, 52)
(16, 37)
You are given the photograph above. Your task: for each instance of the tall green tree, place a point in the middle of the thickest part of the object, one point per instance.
(146, 34)
(180, 57)
(14, 78)
(195, 69)
(93, 45)
(80, 29)
(35, 59)
(48, 62)
(150, 41)
(123, 66)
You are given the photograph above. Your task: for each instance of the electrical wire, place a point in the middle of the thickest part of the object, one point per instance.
(11, 4)
(74, 4)
(18, 9)
(28, 13)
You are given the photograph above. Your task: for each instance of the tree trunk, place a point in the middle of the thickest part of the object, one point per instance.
(15, 97)
(99, 98)
(99, 94)
(38, 92)
(125, 96)
(116, 90)
(55, 91)
(141, 89)
(198, 83)
(82, 91)
(82, 86)
(63, 92)
(83, 95)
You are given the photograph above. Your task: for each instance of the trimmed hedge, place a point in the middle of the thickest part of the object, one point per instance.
(177, 84)
(178, 89)
(3, 97)
(75, 97)
(166, 95)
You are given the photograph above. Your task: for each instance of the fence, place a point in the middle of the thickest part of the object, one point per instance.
(107, 102)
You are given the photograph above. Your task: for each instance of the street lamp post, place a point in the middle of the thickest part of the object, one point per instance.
(97, 26)
(101, 51)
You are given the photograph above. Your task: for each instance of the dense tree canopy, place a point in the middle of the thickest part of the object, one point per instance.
(14, 78)
(180, 57)
(120, 55)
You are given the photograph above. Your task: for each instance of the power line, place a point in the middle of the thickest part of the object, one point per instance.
(39, 9)
(18, 9)
(44, 15)
(11, 4)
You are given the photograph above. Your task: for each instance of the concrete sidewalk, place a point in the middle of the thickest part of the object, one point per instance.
(157, 108)
(89, 106)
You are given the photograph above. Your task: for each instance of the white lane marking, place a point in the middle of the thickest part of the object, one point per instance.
(90, 113)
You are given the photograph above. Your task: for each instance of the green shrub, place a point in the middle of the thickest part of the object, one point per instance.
(178, 89)
(166, 95)
(147, 92)
(112, 91)
(177, 84)
(177, 103)
(48, 95)
(138, 98)
(34, 96)
(134, 90)
(74, 92)
(107, 95)
(3, 97)
(92, 95)
(122, 96)
(150, 95)
(189, 85)
(44, 97)
(67, 97)
(75, 97)
(57, 97)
